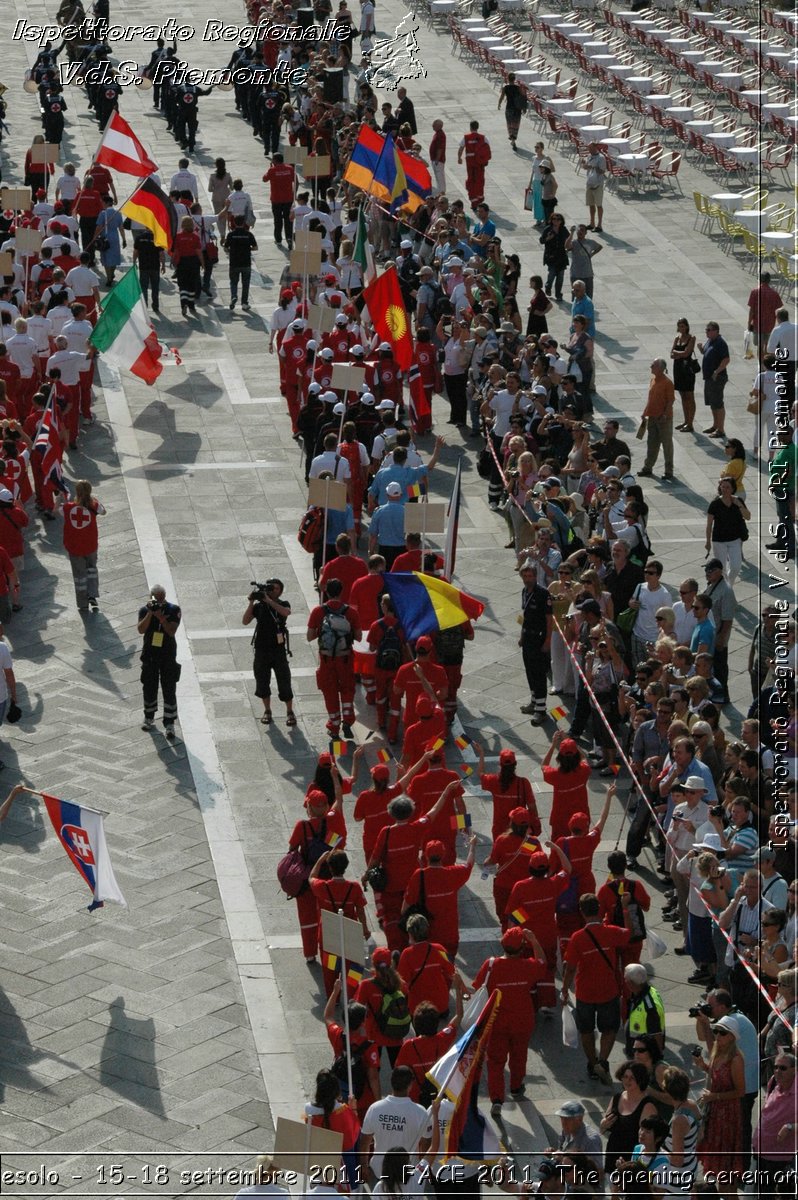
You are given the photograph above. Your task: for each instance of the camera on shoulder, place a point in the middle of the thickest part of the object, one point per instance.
(261, 590)
(154, 604)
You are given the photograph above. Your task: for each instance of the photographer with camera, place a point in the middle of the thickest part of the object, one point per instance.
(158, 622)
(272, 649)
(708, 1017)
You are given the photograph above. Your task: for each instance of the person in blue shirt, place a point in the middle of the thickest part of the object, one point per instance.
(582, 306)
(702, 639)
(387, 529)
(399, 472)
(342, 521)
(484, 230)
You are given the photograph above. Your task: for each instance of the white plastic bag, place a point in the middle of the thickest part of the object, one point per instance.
(748, 344)
(474, 1007)
(570, 1034)
(653, 946)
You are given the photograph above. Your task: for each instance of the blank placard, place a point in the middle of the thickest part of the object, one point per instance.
(354, 945)
(347, 378)
(313, 167)
(327, 493)
(425, 518)
(44, 152)
(321, 318)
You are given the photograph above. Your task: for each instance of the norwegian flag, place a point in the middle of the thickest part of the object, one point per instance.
(47, 444)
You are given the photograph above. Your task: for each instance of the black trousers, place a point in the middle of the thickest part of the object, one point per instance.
(720, 668)
(775, 1177)
(156, 671)
(267, 660)
(150, 281)
(282, 221)
(536, 665)
(458, 400)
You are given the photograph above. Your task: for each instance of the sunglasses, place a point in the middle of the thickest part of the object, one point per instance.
(785, 1068)
(646, 572)
(722, 1033)
(641, 1050)
(685, 591)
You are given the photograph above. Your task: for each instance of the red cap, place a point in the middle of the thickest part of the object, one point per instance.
(507, 756)
(381, 956)
(316, 798)
(325, 759)
(579, 823)
(424, 643)
(329, 278)
(538, 861)
(380, 772)
(434, 849)
(568, 746)
(286, 294)
(40, 193)
(424, 707)
(296, 287)
(513, 939)
(519, 816)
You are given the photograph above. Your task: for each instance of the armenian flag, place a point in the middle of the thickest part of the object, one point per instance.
(151, 207)
(425, 604)
(363, 165)
(389, 316)
(558, 713)
(461, 821)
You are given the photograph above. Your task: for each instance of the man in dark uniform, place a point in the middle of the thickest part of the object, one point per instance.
(270, 612)
(158, 622)
(270, 107)
(107, 99)
(187, 119)
(405, 111)
(53, 117)
(535, 641)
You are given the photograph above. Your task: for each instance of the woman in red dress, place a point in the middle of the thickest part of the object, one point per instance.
(721, 1144)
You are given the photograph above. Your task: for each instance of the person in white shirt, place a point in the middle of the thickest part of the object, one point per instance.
(8, 684)
(504, 404)
(69, 363)
(7, 305)
(239, 204)
(330, 460)
(23, 351)
(647, 598)
(77, 333)
(58, 316)
(300, 211)
(183, 180)
(42, 209)
(57, 241)
(396, 1122)
(58, 286)
(85, 283)
(69, 223)
(367, 23)
(40, 328)
(68, 186)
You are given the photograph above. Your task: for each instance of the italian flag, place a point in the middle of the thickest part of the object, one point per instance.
(123, 333)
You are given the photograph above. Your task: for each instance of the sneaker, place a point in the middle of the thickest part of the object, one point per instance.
(147, 724)
(93, 605)
(246, 308)
(539, 718)
(603, 1071)
(169, 730)
(528, 709)
(496, 1108)
(232, 305)
(347, 731)
(518, 1093)
(646, 473)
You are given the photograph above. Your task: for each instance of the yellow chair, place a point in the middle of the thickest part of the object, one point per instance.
(701, 209)
(730, 228)
(757, 249)
(786, 270)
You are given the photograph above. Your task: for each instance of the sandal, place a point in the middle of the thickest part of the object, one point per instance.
(266, 719)
(290, 719)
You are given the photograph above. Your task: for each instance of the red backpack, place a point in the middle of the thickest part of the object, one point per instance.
(311, 529)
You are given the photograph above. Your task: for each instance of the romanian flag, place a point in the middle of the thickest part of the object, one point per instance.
(414, 490)
(383, 756)
(520, 916)
(151, 207)
(330, 961)
(425, 604)
(354, 975)
(363, 170)
(558, 713)
(332, 840)
(461, 821)
(389, 316)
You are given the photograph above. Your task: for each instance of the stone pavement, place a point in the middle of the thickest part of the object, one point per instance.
(185, 1024)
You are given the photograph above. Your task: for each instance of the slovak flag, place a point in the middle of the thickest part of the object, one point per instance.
(80, 831)
(47, 444)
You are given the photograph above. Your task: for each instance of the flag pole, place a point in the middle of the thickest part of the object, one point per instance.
(5, 807)
(345, 1003)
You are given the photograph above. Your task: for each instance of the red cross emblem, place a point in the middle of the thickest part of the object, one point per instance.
(78, 840)
(79, 517)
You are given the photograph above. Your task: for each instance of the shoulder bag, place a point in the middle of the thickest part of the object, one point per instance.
(626, 619)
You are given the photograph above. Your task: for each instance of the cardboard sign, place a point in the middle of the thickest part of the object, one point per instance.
(295, 1142)
(29, 241)
(6, 263)
(321, 318)
(305, 262)
(307, 239)
(347, 378)
(354, 947)
(294, 155)
(327, 493)
(315, 166)
(16, 198)
(425, 518)
(44, 152)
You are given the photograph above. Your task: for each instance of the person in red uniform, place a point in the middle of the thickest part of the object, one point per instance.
(410, 558)
(508, 791)
(347, 567)
(533, 902)
(335, 676)
(591, 964)
(81, 542)
(579, 847)
(426, 968)
(386, 667)
(356, 455)
(413, 680)
(621, 901)
(333, 894)
(424, 791)
(477, 153)
(293, 353)
(569, 783)
(420, 1053)
(365, 1055)
(9, 587)
(340, 340)
(516, 975)
(426, 359)
(371, 806)
(11, 376)
(436, 887)
(510, 855)
(387, 376)
(450, 651)
(429, 728)
(87, 208)
(313, 837)
(280, 178)
(397, 850)
(384, 981)
(365, 596)
(13, 519)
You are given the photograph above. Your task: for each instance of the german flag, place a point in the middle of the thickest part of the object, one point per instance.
(151, 207)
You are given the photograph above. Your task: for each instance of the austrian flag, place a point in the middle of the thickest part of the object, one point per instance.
(122, 150)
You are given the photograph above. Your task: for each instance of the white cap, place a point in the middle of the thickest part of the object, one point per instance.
(384, 405)
(342, 319)
(298, 323)
(393, 489)
(453, 261)
(367, 398)
(315, 388)
(358, 349)
(539, 390)
(5, 496)
(330, 397)
(339, 409)
(385, 346)
(327, 352)
(312, 344)
(405, 244)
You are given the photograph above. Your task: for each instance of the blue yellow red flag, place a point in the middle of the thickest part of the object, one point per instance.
(426, 604)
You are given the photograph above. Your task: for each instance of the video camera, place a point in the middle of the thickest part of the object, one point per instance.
(260, 590)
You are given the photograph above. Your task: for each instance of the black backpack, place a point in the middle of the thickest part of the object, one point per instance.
(449, 645)
(637, 919)
(643, 550)
(389, 651)
(339, 1070)
(315, 844)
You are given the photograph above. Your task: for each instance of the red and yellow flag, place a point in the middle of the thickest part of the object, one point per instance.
(389, 316)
